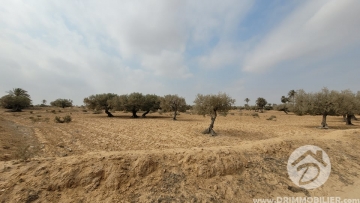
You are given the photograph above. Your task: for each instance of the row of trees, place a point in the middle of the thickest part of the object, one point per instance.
(204, 104)
(327, 102)
(135, 102)
(324, 102)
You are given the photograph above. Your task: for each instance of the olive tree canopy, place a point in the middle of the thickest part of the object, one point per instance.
(211, 105)
(151, 103)
(347, 104)
(62, 103)
(326, 102)
(100, 101)
(134, 102)
(172, 103)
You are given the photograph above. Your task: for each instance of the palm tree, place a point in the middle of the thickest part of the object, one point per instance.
(247, 102)
(17, 99)
(19, 92)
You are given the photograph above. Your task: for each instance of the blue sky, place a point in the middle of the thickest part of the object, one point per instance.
(72, 49)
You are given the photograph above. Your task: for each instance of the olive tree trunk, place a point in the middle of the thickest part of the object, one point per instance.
(174, 118)
(348, 119)
(134, 114)
(210, 129)
(144, 114)
(108, 112)
(323, 123)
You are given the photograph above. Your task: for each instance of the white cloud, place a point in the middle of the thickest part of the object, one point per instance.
(315, 30)
(222, 55)
(167, 63)
(214, 19)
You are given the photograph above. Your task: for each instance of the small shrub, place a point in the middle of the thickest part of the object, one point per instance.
(255, 115)
(53, 111)
(34, 119)
(160, 112)
(58, 119)
(223, 114)
(232, 113)
(31, 112)
(84, 110)
(38, 115)
(271, 117)
(66, 119)
(59, 110)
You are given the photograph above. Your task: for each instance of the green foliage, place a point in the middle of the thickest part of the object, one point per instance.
(268, 107)
(43, 104)
(134, 102)
(151, 103)
(62, 103)
(99, 101)
(284, 99)
(17, 99)
(303, 103)
(172, 103)
(211, 104)
(261, 102)
(291, 96)
(280, 107)
(347, 103)
(326, 102)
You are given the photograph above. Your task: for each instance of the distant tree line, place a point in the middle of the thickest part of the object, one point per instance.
(135, 102)
(325, 103)
(328, 102)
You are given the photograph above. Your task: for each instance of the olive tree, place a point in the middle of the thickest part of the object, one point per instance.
(303, 103)
(151, 103)
(348, 105)
(134, 102)
(211, 105)
(100, 101)
(172, 103)
(17, 99)
(319, 103)
(62, 103)
(261, 102)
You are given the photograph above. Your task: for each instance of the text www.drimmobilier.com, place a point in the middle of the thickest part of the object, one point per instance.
(307, 200)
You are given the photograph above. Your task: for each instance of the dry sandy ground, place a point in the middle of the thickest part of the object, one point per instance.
(99, 159)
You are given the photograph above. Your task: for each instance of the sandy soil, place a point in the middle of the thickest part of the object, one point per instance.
(99, 159)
